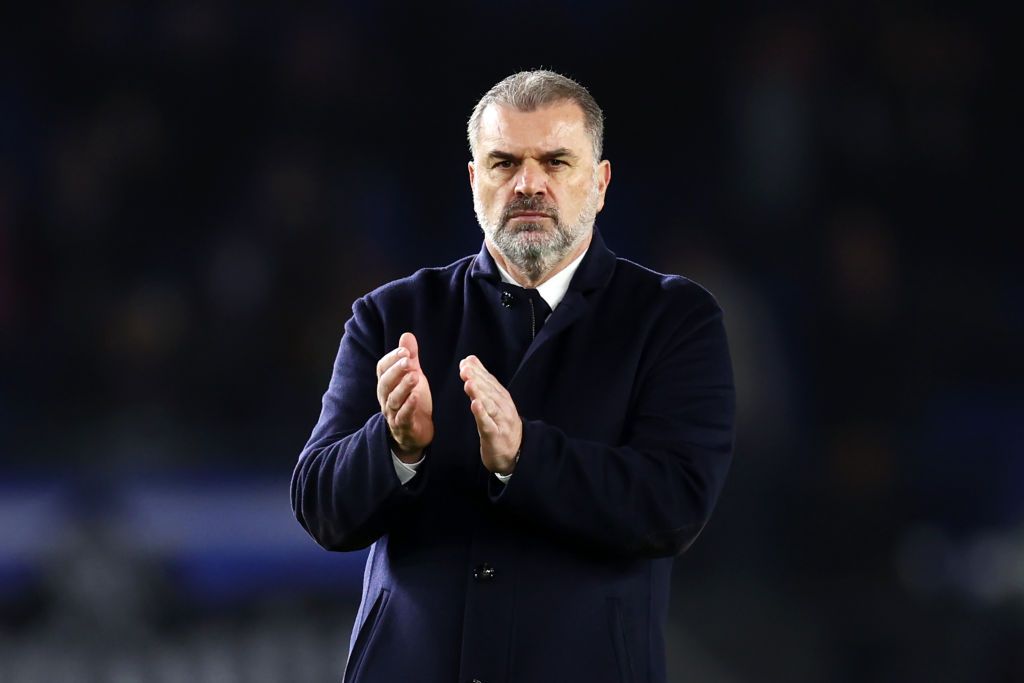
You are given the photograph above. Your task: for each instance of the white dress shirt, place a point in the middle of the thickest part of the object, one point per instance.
(552, 291)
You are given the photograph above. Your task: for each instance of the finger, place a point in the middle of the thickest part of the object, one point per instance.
(396, 399)
(473, 366)
(477, 389)
(497, 387)
(403, 418)
(390, 359)
(478, 373)
(502, 414)
(467, 365)
(492, 408)
(387, 382)
(485, 424)
(408, 342)
(471, 361)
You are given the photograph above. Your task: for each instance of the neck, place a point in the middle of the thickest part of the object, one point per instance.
(523, 278)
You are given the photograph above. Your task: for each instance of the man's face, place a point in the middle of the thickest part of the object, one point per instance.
(536, 185)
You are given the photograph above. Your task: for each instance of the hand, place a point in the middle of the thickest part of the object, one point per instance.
(405, 400)
(497, 419)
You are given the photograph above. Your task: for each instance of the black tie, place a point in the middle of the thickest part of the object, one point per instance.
(540, 309)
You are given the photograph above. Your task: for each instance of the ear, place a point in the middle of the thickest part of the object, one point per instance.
(604, 179)
(472, 175)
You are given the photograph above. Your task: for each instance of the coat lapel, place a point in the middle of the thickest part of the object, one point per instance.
(594, 273)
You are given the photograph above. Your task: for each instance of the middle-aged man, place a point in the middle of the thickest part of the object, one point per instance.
(528, 436)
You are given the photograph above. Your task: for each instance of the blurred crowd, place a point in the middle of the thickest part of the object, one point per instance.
(192, 194)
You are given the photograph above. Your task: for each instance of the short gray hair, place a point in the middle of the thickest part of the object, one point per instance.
(530, 90)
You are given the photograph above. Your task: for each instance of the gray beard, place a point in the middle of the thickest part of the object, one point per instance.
(534, 257)
(527, 245)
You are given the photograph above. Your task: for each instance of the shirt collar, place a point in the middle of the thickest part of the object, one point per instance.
(553, 290)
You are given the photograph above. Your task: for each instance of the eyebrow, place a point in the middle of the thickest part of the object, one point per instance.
(553, 154)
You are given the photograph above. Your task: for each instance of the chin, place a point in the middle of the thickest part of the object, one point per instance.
(534, 239)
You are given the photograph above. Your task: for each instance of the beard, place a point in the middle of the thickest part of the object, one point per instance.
(533, 247)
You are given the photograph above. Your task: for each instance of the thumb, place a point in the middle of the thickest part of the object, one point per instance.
(408, 342)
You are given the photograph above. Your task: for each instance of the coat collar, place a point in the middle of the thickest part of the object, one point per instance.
(594, 272)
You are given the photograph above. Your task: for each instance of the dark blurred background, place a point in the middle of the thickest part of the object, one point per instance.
(193, 193)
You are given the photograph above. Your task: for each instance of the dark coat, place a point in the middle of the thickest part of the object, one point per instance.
(562, 574)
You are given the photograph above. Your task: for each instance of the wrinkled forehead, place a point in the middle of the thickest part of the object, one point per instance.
(524, 133)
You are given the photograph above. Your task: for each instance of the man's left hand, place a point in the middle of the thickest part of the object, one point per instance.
(497, 419)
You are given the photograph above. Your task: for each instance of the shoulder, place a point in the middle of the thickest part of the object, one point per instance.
(647, 288)
(426, 284)
(678, 319)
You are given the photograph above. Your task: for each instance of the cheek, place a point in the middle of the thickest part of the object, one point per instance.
(575, 198)
(486, 201)
(492, 195)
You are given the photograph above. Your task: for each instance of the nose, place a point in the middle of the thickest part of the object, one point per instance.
(531, 179)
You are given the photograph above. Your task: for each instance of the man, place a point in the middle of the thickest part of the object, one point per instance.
(524, 477)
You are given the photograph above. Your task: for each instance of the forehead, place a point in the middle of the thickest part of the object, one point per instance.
(556, 126)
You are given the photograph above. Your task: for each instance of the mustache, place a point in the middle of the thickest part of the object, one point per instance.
(528, 205)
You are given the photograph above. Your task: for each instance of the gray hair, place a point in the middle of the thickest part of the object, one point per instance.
(528, 91)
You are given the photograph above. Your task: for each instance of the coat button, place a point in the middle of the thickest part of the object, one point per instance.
(484, 572)
(507, 299)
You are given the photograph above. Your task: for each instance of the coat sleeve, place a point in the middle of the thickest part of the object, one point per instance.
(344, 490)
(652, 494)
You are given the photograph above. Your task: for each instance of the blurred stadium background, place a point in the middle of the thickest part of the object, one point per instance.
(193, 193)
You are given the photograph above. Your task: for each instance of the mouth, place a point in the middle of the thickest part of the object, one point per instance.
(531, 222)
(530, 215)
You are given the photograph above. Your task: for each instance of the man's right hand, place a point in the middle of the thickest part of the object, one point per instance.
(405, 401)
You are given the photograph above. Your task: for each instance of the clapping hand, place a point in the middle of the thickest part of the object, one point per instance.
(497, 419)
(405, 400)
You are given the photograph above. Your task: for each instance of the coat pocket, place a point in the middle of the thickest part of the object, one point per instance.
(365, 638)
(619, 646)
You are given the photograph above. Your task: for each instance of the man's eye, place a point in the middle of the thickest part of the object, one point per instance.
(503, 164)
(557, 162)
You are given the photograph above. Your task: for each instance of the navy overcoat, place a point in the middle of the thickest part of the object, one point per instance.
(562, 574)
